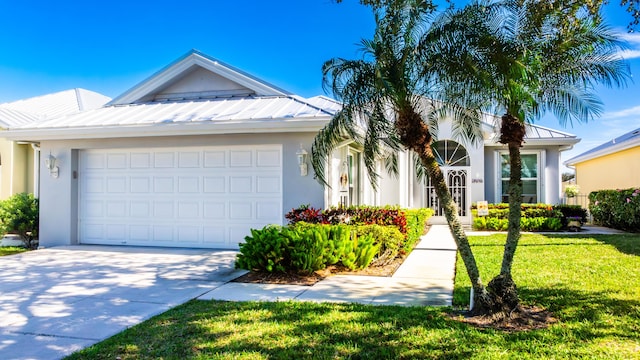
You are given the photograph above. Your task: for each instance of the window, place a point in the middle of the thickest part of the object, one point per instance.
(353, 160)
(530, 178)
(350, 178)
(450, 153)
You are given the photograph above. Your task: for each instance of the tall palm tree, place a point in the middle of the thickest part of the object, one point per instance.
(391, 103)
(524, 58)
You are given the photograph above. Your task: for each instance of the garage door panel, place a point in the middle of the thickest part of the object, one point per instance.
(215, 210)
(268, 158)
(139, 233)
(214, 159)
(189, 159)
(140, 160)
(215, 184)
(268, 184)
(164, 160)
(189, 184)
(240, 158)
(240, 184)
(117, 161)
(195, 197)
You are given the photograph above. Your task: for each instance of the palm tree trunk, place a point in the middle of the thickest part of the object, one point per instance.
(515, 206)
(502, 288)
(481, 297)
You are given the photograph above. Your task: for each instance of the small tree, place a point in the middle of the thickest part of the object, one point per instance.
(19, 214)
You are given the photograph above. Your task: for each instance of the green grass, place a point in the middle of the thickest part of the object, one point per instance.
(10, 250)
(591, 284)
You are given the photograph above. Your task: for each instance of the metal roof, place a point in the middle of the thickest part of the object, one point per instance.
(39, 108)
(216, 110)
(540, 132)
(326, 103)
(623, 142)
(10, 118)
(534, 135)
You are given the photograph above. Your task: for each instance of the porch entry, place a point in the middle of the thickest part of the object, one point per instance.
(455, 163)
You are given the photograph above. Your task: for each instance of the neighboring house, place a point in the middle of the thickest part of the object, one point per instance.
(19, 161)
(612, 165)
(200, 152)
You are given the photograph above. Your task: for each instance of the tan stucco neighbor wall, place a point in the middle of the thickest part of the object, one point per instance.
(16, 171)
(620, 170)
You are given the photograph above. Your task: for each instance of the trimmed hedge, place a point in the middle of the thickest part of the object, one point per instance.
(618, 209)
(533, 217)
(416, 223)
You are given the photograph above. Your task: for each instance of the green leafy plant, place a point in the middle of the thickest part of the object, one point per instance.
(389, 239)
(416, 223)
(264, 250)
(619, 209)
(534, 217)
(19, 214)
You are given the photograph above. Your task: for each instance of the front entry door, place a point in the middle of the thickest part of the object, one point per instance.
(457, 181)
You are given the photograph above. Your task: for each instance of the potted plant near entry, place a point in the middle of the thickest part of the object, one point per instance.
(574, 223)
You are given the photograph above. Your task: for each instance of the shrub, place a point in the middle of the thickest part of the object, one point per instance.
(571, 211)
(389, 239)
(353, 215)
(305, 248)
(304, 213)
(265, 250)
(534, 217)
(619, 209)
(416, 223)
(19, 214)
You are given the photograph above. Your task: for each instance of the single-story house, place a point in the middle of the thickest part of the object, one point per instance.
(19, 161)
(200, 152)
(612, 165)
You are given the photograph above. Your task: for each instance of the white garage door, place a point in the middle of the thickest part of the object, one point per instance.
(180, 197)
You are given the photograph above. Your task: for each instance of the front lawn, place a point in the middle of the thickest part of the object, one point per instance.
(591, 284)
(10, 250)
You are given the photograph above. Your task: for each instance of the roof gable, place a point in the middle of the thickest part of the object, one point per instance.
(196, 75)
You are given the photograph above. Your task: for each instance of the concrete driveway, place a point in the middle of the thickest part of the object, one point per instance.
(56, 301)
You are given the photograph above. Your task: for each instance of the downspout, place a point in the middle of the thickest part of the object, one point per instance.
(36, 169)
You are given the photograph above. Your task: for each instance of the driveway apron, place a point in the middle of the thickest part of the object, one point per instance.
(59, 300)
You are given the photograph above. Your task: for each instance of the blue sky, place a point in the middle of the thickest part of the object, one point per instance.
(49, 46)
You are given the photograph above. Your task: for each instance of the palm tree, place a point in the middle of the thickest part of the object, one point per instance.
(391, 103)
(524, 58)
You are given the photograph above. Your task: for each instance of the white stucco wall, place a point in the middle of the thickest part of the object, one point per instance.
(59, 196)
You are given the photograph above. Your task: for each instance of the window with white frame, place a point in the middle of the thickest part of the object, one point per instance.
(530, 177)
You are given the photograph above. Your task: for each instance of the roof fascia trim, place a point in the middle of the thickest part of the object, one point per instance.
(603, 152)
(232, 127)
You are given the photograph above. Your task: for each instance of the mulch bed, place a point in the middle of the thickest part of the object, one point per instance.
(263, 277)
(525, 318)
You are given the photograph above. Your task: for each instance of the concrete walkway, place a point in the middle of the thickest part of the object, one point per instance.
(425, 278)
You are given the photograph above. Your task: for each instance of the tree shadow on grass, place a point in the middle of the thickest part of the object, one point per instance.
(628, 243)
(288, 330)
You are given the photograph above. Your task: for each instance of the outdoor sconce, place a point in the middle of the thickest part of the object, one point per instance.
(302, 160)
(51, 163)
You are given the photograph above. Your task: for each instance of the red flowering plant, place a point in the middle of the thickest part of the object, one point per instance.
(305, 213)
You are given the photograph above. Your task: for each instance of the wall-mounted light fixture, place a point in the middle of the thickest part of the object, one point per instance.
(52, 164)
(302, 160)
